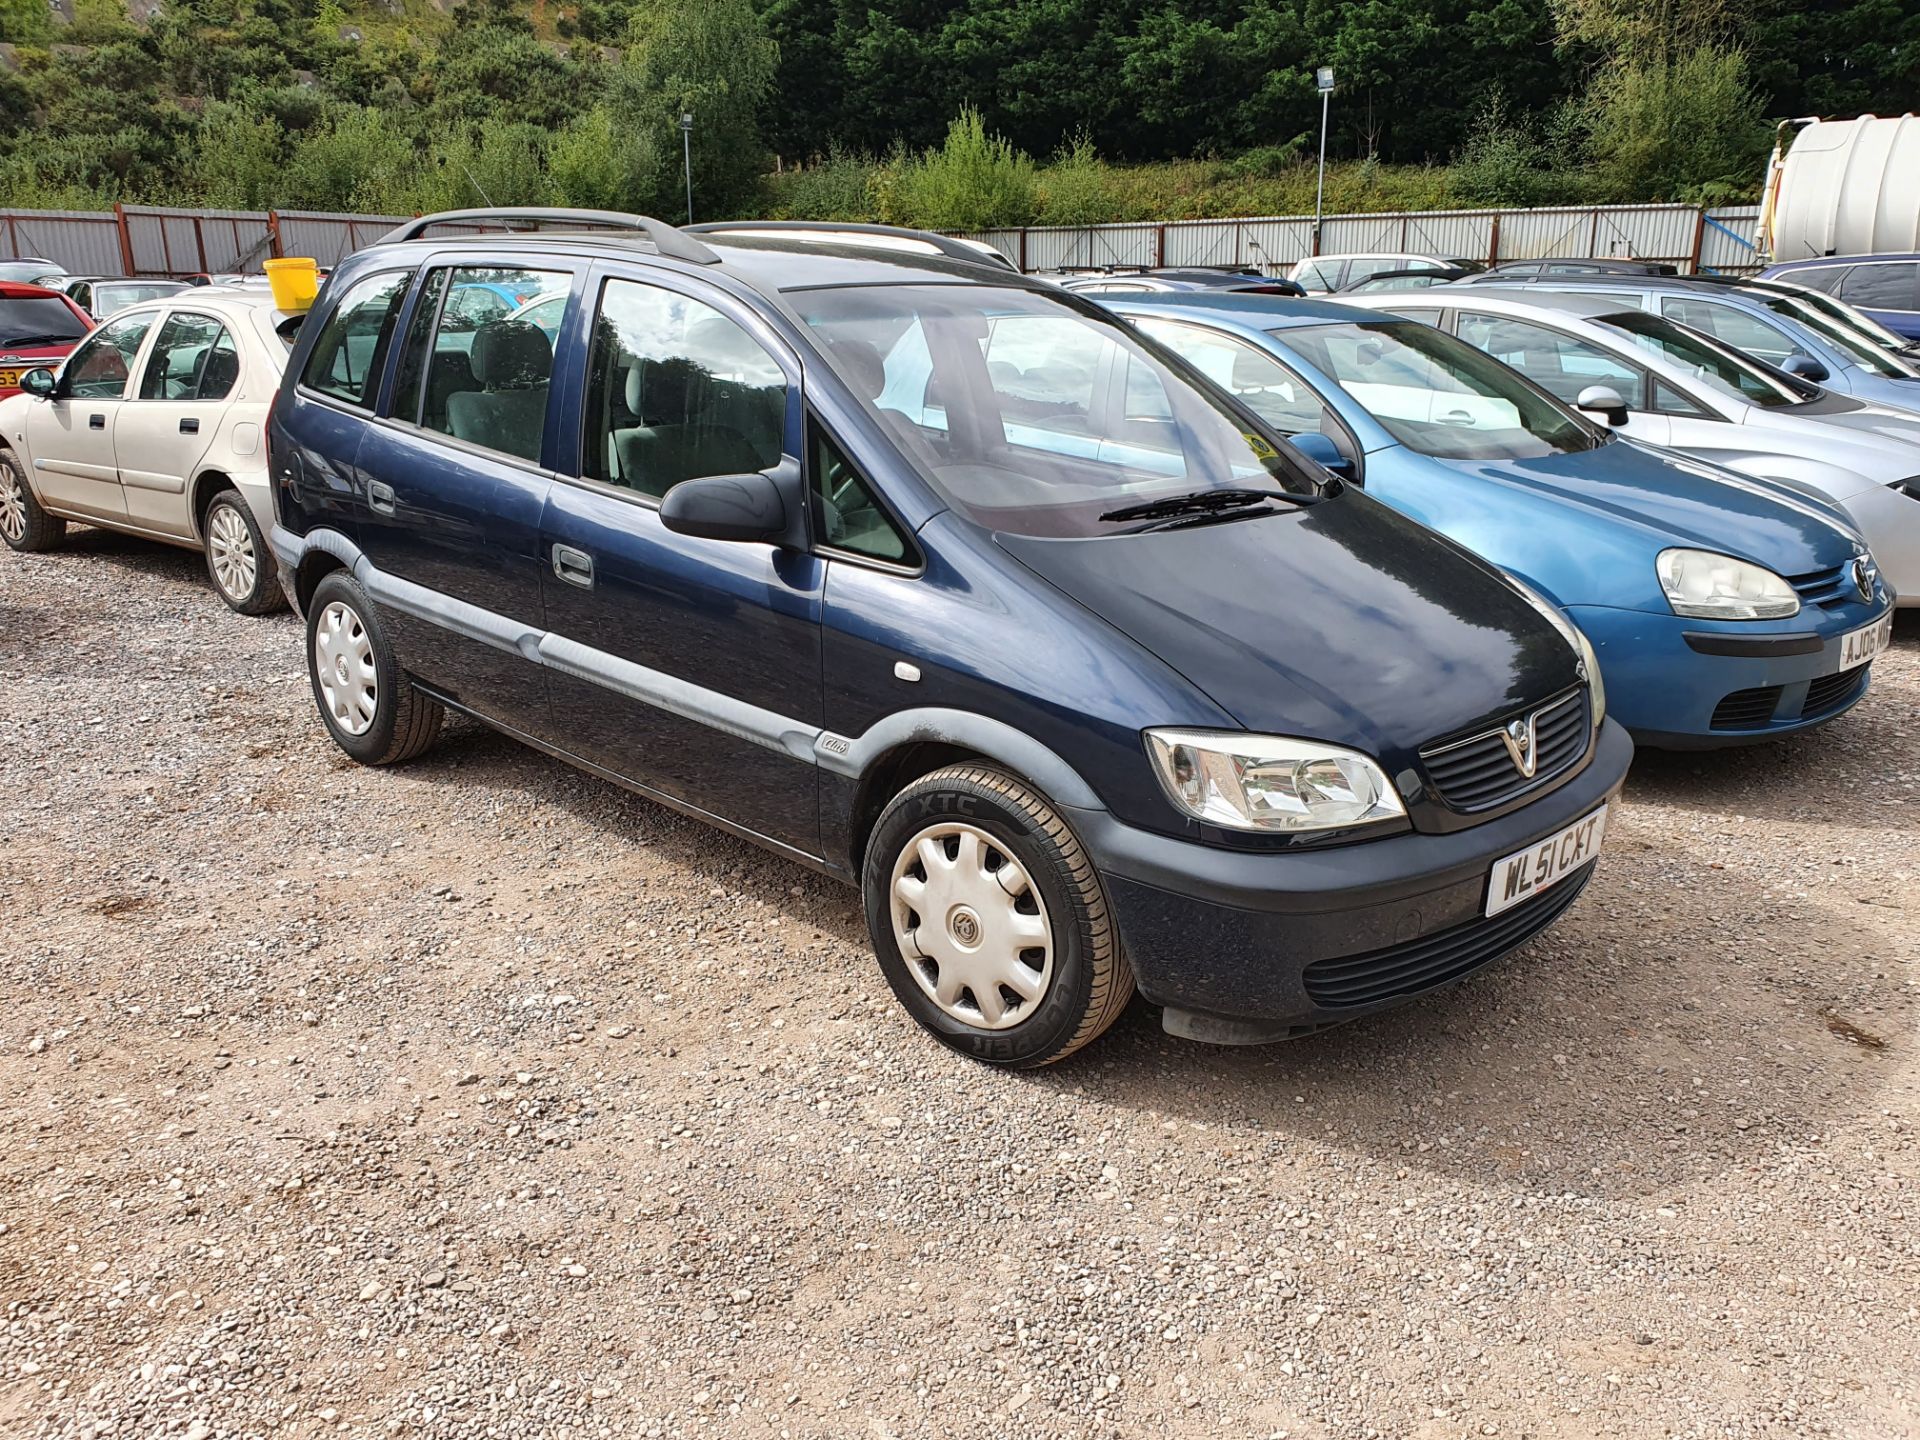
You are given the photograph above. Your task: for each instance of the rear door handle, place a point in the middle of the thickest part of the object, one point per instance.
(573, 566)
(96, 422)
(380, 496)
(189, 427)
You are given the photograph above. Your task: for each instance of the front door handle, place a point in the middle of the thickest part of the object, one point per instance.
(380, 496)
(96, 422)
(189, 426)
(573, 566)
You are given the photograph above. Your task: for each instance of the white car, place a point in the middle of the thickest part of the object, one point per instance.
(1322, 274)
(156, 425)
(1663, 384)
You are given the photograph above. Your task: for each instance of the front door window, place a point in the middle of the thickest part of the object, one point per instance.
(99, 369)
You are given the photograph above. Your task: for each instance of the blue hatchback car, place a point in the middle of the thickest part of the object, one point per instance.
(1724, 609)
(948, 584)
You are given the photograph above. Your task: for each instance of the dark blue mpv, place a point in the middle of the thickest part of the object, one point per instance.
(948, 584)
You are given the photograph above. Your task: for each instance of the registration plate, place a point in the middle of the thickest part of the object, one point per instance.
(1545, 863)
(9, 379)
(1857, 647)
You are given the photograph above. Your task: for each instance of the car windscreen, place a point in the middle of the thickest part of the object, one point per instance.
(38, 320)
(1031, 415)
(108, 298)
(1714, 366)
(1439, 395)
(1866, 351)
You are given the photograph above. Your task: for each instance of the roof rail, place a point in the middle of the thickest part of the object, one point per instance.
(974, 252)
(667, 240)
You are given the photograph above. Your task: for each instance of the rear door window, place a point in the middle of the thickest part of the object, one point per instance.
(486, 383)
(351, 351)
(193, 358)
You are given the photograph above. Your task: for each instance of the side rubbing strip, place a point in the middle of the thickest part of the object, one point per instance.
(678, 697)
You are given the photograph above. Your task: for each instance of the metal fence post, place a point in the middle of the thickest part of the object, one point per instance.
(126, 240)
(1699, 240)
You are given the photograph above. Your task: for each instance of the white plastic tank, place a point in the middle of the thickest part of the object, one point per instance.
(1847, 187)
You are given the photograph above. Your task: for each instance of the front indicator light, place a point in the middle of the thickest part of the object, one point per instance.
(1268, 783)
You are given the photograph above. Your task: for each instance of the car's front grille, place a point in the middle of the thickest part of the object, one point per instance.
(1402, 970)
(1479, 771)
(1746, 709)
(1829, 588)
(1831, 692)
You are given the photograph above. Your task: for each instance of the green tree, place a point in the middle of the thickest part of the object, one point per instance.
(714, 60)
(975, 181)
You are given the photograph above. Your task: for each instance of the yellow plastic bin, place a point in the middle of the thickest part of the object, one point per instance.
(295, 282)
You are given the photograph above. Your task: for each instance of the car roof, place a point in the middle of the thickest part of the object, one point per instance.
(21, 290)
(1807, 262)
(764, 262)
(1263, 312)
(1518, 298)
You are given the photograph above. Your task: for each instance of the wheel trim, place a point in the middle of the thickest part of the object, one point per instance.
(13, 504)
(230, 553)
(344, 669)
(971, 926)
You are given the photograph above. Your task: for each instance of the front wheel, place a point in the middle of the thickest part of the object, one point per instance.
(990, 921)
(23, 524)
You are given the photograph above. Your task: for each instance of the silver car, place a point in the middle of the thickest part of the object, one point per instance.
(1663, 384)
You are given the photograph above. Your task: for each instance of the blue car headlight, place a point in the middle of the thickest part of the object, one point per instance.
(1707, 586)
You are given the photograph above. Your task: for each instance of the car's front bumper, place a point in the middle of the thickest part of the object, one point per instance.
(1686, 684)
(1243, 946)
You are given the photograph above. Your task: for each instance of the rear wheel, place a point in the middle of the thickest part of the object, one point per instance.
(990, 921)
(368, 704)
(239, 563)
(23, 524)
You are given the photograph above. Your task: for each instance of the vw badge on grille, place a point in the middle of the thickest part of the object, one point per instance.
(1864, 575)
(1519, 738)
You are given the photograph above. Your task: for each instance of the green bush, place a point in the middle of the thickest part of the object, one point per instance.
(1077, 188)
(1500, 163)
(1673, 129)
(602, 162)
(975, 181)
(838, 188)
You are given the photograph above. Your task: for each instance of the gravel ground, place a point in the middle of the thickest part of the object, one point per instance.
(480, 1098)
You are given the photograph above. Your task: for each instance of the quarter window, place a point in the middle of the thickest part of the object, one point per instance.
(194, 358)
(676, 390)
(1884, 285)
(486, 383)
(1559, 364)
(351, 350)
(846, 514)
(99, 368)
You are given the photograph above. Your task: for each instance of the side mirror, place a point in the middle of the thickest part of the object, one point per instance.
(727, 507)
(1323, 452)
(1605, 402)
(39, 382)
(1805, 366)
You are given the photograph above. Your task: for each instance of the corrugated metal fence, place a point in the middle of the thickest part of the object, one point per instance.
(145, 240)
(1681, 235)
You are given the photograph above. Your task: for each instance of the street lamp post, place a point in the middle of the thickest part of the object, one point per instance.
(686, 148)
(1322, 77)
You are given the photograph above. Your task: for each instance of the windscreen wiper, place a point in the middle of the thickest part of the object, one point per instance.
(1202, 502)
(19, 340)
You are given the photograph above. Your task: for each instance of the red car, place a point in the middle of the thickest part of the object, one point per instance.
(37, 328)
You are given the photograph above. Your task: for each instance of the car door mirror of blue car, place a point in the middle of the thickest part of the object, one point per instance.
(1604, 401)
(760, 506)
(1805, 366)
(39, 382)
(1323, 452)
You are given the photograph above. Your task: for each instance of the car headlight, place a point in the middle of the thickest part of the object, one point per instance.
(1574, 636)
(1270, 783)
(1718, 587)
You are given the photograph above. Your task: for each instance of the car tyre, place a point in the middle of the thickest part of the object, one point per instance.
(240, 563)
(990, 922)
(367, 702)
(23, 524)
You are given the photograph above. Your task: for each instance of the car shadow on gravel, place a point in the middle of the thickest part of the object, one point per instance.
(1682, 1023)
(130, 553)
